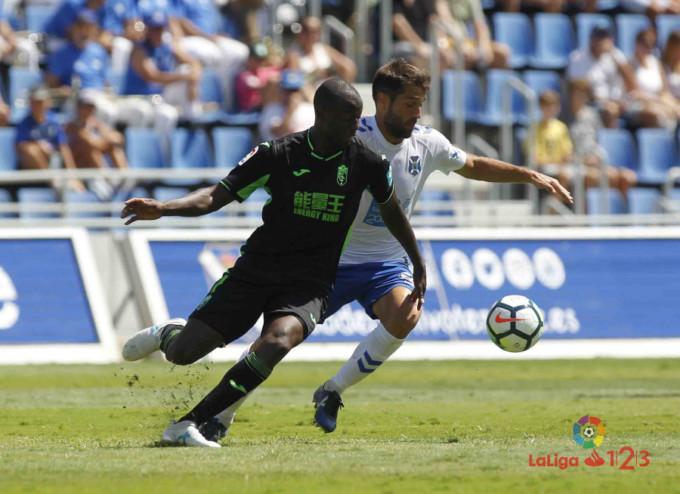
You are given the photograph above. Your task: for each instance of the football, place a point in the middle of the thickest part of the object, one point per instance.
(514, 323)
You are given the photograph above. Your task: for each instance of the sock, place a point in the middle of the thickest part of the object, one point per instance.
(373, 350)
(226, 416)
(168, 333)
(241, 379)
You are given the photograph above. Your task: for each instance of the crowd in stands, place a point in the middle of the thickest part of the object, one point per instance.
(97, 67)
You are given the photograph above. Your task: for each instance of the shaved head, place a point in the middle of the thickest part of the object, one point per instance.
(336, 95)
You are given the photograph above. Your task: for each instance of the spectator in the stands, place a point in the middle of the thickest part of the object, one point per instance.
(165, 76)
(288, 107)
(612, 80)
(651, 7)
(652, 85)
(5, 111)
(480, 50)
(410, 23)
(121, 28)
(317, 60)
(91, 140)
(58, 28)
(82, 62)
(40, 139)
(259, 70)
(671, 63)
(16, 49)
(552, 146)
(584, 128)
(241, 19)
(199, 21)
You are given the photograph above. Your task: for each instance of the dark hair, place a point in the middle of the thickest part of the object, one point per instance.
(581, 85)
(336, 94)
(393, 77)
(644, 34)
(672, 41)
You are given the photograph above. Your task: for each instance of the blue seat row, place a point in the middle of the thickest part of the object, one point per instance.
(488, 109)
(651, 153)
(547, 42)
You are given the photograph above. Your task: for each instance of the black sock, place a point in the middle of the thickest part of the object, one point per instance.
(168, 333)
(241, 379)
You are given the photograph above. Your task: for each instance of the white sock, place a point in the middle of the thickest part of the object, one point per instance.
(227, 415)
(373, 350)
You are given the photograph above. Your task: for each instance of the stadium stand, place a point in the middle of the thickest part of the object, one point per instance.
(143, 148)
(516, 31)
(473, 102)
(8, 155)
(231, 144)
(658, 153)
(554, 41)
(30, 200)
(586, 22)
(627, 27)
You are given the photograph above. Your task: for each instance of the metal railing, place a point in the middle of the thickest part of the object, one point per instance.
(507, 138)
(386, 11)
(332, 24)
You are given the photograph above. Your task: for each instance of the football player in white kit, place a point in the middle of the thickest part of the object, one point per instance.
(374, 268)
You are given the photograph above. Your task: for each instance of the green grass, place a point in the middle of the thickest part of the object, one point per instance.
(415, 427)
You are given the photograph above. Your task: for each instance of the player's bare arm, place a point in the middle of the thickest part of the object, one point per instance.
(197, 203)
(400, 228)
(491, 170)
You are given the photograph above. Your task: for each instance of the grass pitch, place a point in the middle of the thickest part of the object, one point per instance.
(415, 427)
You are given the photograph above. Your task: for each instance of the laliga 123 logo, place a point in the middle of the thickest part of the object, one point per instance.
(589, 432)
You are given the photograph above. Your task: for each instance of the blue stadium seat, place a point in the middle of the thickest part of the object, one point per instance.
(585, 24)
(515, 30)
(21, 79)
(37, 17)
(6, 198)
(143, 148)
(73, 199)
(8, 155)
(210, 87)
(603, 5)
(31, 196)
(665, 25)
(541, 81)
(190, 149)
(616, 204)
(496, 82)
(627, 27)
(643, 201)
(620, 147)
(472, 102)
(231, 145)
(658, 153)
(167, 193)
(554, 41)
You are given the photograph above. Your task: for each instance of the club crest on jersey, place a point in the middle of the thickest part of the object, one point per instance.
(414, 166)
(248, 156)
(342, 175)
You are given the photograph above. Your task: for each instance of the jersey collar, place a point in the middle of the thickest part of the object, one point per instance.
(311, 148)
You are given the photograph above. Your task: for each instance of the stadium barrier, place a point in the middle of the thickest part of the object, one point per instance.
(606, 292)
(52, 306)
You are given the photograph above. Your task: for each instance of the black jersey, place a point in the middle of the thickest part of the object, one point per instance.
(313, 203)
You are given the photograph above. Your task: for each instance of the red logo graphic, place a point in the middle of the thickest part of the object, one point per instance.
(499, 319)
(594, 460)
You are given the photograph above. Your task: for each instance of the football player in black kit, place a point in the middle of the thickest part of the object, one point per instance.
(315, 179)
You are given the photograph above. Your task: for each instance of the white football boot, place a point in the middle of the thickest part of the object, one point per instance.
(147, 341)
(186, 433)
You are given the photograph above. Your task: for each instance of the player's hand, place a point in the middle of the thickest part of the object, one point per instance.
(553, 186)
(142, 209)
(420, 283)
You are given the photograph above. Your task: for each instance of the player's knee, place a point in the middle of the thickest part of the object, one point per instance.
(179, 356)
(281, 339)
(403, 321)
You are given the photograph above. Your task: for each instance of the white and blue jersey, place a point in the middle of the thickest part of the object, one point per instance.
(411, 161)
(373, 262)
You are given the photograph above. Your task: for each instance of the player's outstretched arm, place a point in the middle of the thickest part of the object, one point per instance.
(491, 170)
(400, 228)
(197, 203)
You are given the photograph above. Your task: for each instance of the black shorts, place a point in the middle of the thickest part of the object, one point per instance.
(234, 304)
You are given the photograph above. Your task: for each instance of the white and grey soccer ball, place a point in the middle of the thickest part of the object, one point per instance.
(515, 323)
